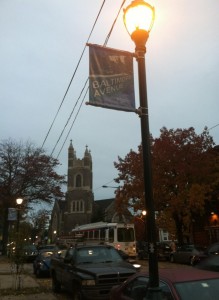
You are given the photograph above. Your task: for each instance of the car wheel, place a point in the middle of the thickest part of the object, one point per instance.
(171, 258)
(56, 285)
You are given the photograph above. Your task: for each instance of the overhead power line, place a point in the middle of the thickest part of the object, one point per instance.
(213, 127)
(105, 43)
(73, 75)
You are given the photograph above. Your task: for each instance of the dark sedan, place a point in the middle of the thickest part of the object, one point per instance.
(211, 259)
(210, 263)
(175, 284)
(163, 250)
(187, 254)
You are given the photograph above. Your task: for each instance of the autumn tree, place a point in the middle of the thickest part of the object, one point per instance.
(26, 172)
(39, 219)
(184, 172)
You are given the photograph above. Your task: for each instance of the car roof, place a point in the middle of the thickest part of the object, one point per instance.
(184, 274)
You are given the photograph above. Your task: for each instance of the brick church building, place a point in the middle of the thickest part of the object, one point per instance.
(79, 206)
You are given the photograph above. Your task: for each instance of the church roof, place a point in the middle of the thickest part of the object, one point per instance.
(103, 204)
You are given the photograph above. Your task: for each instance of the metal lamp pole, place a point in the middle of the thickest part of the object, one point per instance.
(19, 202)
(138, 19)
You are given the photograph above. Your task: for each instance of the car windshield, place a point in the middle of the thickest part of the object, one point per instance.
(201, 289)
(30, 248)
(97, 255)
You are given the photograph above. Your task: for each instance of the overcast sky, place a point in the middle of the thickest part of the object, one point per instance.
(41, 44)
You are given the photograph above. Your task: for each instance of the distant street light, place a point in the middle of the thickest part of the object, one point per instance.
(19, 202)
(109, 186)
(138, 20)
(54, 235)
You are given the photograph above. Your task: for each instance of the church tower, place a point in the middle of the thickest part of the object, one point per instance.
(79, 196)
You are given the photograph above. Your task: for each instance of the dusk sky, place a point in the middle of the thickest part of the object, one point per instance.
(41, 44)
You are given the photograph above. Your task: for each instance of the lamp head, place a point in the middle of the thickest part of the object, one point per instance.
(138, 19)
(19, 201)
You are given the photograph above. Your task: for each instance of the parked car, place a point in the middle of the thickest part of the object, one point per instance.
(89, 272)
(30, 253)
(41, 265)
(163, 250)
(187, 254)
(213, 249)
(48, 247)
(175, 284)
(210, 259)
(210, 263)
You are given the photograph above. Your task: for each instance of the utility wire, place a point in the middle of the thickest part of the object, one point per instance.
(109, 34)
(105, 43)
(68, 118)
(74, 120)
(213, 127)
(73, 75)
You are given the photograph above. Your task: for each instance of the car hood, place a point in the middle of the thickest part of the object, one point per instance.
(107, 268)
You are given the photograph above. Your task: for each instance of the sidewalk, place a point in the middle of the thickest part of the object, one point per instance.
(20, 287)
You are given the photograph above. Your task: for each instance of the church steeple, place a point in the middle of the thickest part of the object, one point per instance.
(79, 195)
(71, 155)
(87, 158)
(71, 160)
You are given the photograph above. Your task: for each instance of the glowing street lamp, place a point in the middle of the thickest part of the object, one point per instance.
(144, 213)
(138, 20)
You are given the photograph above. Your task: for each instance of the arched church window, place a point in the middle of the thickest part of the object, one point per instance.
(78, 180)
(77, 206)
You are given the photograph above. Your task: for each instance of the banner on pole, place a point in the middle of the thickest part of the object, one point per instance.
(111, 79)
(12, 214)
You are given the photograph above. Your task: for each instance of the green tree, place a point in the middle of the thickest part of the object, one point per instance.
(184, 173)
(26, 172)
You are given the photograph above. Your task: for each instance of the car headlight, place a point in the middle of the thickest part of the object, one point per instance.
(137, 266)
(88, 282)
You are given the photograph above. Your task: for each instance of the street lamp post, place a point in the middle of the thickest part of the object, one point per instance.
(138, 20)
(19, 202)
